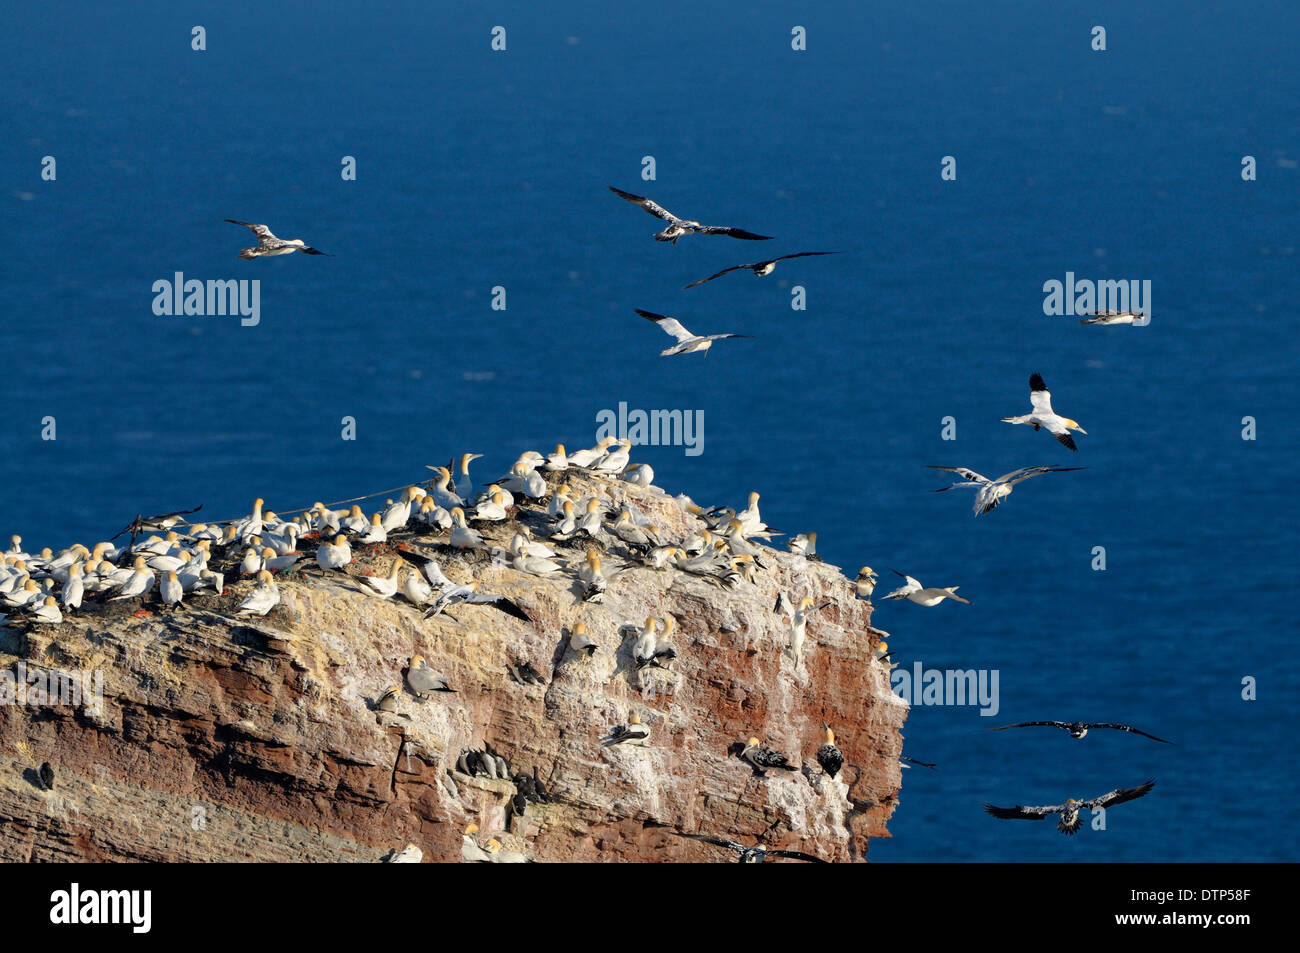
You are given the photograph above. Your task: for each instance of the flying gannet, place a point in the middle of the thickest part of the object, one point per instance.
(677, 227)
(1079, 729)
(455, 595)
(1069, 811)
(1043, 416)
(268, 244)
(759, 268)
(913, 591)
(751, 855)
(1112, 317)
(993, 492)
(687, 341)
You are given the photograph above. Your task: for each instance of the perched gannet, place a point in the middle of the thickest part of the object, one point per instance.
(615, 458)
(74, 589)
(462, 537)
(273, 563)
(410, 854)
(47, 612)
(139, 583)
(645, 648)
(395, 517)
(252, 524)
(829, 756)
(442, 494)
(805, 544)
(375, 534)
(389, 699)
(425, 680)
(633, 733)
(590, 522)
(383, 587)
(1069, 811)
(763, 759)
(751, 855)
(686, 340)
(592, 578)
(565, 524)
(533, 565)
(581, 641)
(677, 227)
(170, 590)
(334, 555)
(264, 597)
(1043, 416)
(251, 564)
(268, 244)
(913, 591)
(865, 584)
(470, 851)
(1112, 317)
(993, 492)
(798, 616)
(626, 529)
(638, 474)
(491, 510)
(760, 268)
(585, 458)
(1080, 729)
(464, 485)
(557, 461)
(498, 856)
(355, 522)
(455, 595)
(429, 566)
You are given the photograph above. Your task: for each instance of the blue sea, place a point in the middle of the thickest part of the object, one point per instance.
(478, 169)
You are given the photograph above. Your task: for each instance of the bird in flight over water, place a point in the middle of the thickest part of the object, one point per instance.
(268, 244)
(759, 268)
(677, 227)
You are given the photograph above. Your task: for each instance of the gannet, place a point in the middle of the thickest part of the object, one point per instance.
(498, 856)
(29, 594)
(763, 759)
(865, 584)
(993, 492)
(633, 733)
(1069, 811)
(264, 597)
(581, 641)
(805, 544)
(389, 699)
(74, 589)
(1080, 729)
(268, 244)
(677, 227)
(47, 612)
(273, 563)
(1043, 415)
(633, 535)
(395, 517)
(455, 595)
(251, 564)
(585, 458)
(491, 510)
(592, 578)
(905, 762)
(751, 855)
(760, 268)
(590, 523)
(557, 461)
(464, 485)
(139, 583)
(425, 680)
(913, 591)
(565, 524)
(686, 340)
(650, 647)
(334, 555)
(376, 534)
(383, 587)
(410, 854)
(638, 474)
(798, 617)
(470, 851)
(615, 458)
(462, 537)
(252, 524)
(170, 590)
(1112, 317)
(442, 494)
(355, 522)
(555, 508)
(829, 756)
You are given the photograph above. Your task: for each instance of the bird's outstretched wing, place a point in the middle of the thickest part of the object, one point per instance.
(1031, 724)
(671, 325)
(966, 474)
(795, 855)
(1025, 473)
(1020, 812)
(724, 271)
(263, 233)
(923, 764)
(497, 602)
(1106, 724)
(728, 230)
(717, 841)
(1120, 795)
(650, 205)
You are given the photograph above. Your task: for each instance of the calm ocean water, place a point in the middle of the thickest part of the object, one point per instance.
(478, 169)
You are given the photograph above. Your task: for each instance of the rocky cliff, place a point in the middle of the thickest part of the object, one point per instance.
(227, 738)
